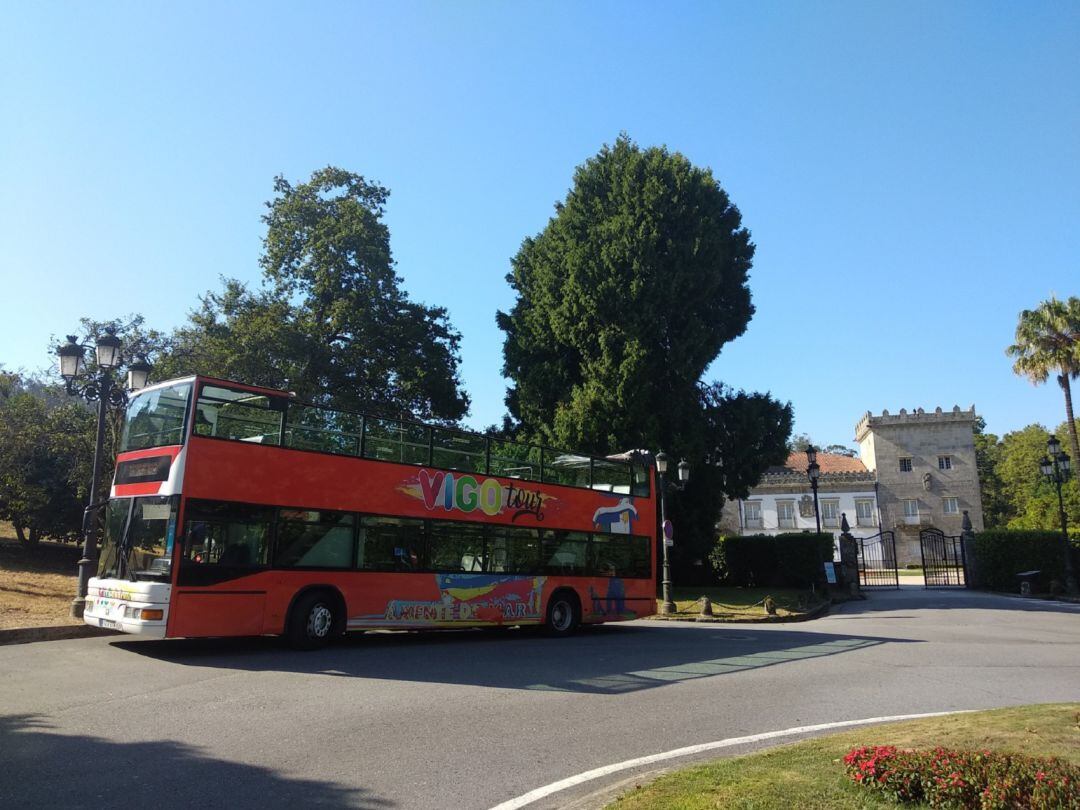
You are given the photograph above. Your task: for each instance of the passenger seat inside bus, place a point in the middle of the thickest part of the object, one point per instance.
(236, 554)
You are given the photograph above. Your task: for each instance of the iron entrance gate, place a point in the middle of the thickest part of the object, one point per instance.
(943, 559)
(877, 561)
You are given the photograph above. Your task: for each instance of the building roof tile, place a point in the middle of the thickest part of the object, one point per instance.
(828, 462)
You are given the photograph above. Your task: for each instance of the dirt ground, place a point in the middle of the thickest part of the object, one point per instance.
(37, 584)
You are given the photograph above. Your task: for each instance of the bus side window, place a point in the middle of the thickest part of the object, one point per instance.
(620, 555)
(227, 534)
(231, 413)
(523, 550)
(391, 544)
(313, 538)
(565, 552)
(457, 546)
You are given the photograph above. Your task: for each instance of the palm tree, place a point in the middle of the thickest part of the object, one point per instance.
(1048, 342)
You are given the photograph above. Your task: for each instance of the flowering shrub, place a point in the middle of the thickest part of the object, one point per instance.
(981, 780)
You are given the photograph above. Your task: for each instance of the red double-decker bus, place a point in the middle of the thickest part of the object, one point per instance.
(237, 510)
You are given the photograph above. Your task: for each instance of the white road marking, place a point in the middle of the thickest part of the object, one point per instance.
(607, 770)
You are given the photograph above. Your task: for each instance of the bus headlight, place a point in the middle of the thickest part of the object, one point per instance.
(146, 614)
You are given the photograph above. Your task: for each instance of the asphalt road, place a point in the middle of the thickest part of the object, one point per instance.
(472, 719)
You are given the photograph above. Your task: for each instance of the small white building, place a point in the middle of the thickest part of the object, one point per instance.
(784, 502)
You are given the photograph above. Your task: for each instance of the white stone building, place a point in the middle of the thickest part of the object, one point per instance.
(915, 471)
(783, 500)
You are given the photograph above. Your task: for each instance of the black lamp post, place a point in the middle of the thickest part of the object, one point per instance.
(1056, 467)
(812, 472)
(667, 607)
(100, 388)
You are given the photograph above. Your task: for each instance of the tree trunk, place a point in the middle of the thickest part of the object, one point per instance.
(19, 532)
(1063, 381)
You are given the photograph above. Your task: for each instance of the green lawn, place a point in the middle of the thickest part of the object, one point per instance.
(811, 775)
(737, 604)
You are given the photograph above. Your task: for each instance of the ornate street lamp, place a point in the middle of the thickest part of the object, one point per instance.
(138, 374)
(100, 388)
(812, 472)
(667, 606)
(1056, 467)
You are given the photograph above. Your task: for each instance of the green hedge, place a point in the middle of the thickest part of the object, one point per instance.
(1000, 554)
(791, 560)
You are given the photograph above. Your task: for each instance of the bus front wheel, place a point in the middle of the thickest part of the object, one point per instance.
(313, 621)
(563, 614)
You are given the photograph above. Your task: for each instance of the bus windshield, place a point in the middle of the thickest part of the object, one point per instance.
(156, 418)
(139, 534)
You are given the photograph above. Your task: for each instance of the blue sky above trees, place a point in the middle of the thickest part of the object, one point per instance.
(910, 172)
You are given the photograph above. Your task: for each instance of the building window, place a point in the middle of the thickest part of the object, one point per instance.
(911, 510)
(950, 506)
(752, 514)
(830, 514)
(785, 511)
(864, 512)
(944, 462)
(905, 465)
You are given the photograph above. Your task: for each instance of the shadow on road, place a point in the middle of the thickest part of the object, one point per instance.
(44, 769)
(611, 659)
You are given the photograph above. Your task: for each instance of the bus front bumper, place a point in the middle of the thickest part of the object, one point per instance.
(139, 608)
(138, 628)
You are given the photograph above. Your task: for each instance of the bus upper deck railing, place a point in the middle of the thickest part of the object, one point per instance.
(227, 413)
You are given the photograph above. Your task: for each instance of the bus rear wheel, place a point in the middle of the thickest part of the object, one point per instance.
(563, 614)
(313, 621)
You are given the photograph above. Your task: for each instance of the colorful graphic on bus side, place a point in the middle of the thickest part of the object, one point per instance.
(450, 492)
(465, 599)
(618, 519)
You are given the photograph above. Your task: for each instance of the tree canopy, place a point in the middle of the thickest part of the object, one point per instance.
(1014, 493)
(46, 446)
(1048, 342)
(624, 299)
(331, 321)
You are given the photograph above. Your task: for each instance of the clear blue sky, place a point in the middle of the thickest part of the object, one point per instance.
(910, 171)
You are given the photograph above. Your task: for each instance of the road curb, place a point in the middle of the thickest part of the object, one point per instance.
(816, 613)
(26, 635)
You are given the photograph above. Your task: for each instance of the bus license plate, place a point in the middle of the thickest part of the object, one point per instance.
(109, 623)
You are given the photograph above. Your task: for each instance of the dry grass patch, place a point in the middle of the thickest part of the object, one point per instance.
(37, 584)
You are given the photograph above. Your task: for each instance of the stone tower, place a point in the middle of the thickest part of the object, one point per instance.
(926, 472)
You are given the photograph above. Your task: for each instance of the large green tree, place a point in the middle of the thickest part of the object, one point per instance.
(1048, 342)
(45, 449)
(988, 456)
(1015, 494)
(623, 301)
(331, 321)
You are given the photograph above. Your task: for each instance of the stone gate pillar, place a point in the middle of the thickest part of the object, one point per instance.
(849, 558)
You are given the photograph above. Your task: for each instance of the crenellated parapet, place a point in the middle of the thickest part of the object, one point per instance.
(915, 417)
